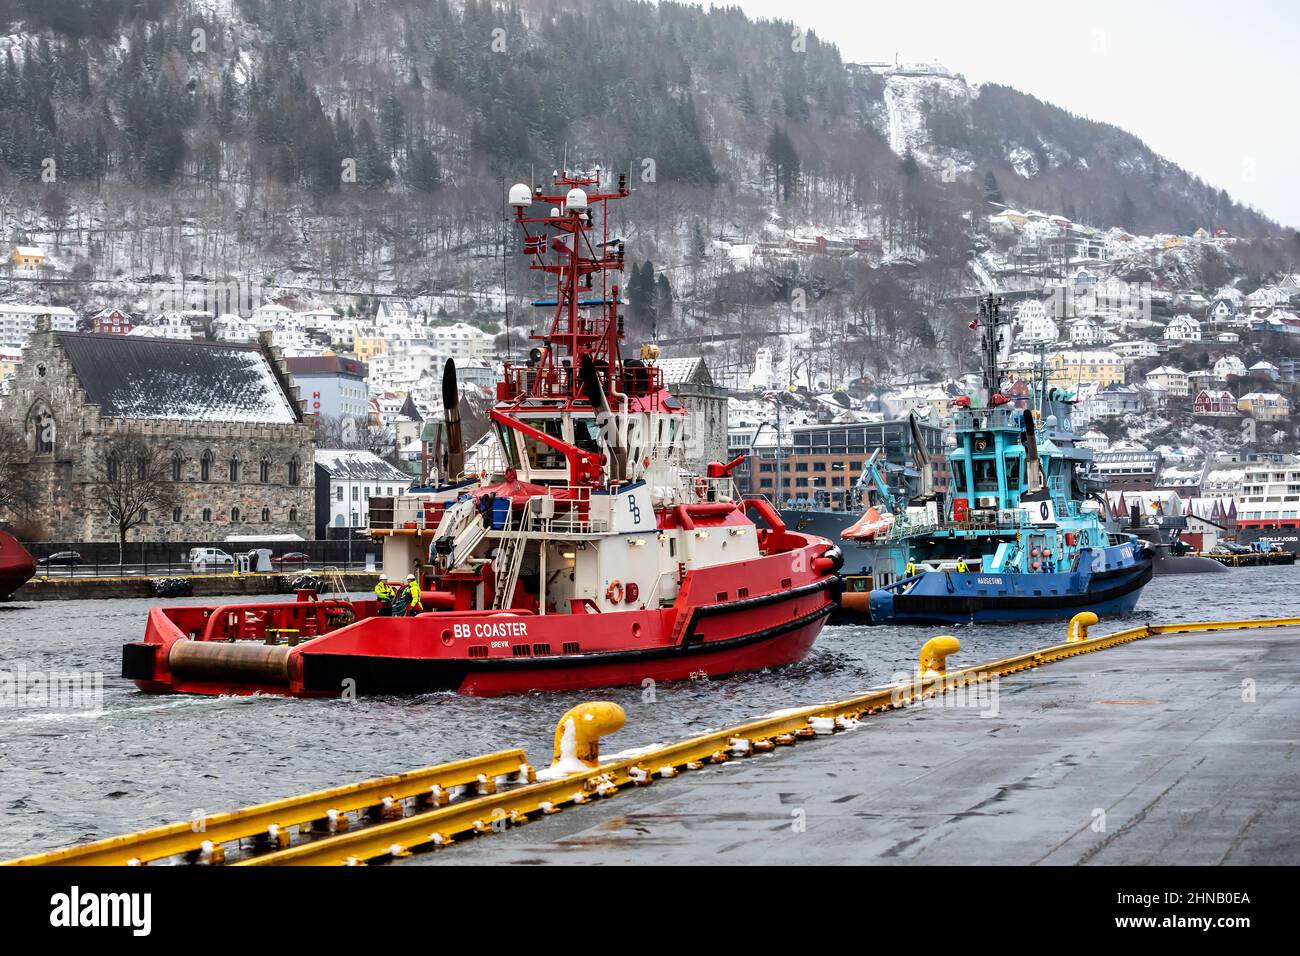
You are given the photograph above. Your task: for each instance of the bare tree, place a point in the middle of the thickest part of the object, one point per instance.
(15, 486)
(355, 433)
(131, 478)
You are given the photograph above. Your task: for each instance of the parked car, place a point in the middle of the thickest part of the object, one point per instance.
(202, 559)
(290, 557)
(61, 557)
(1224, 547)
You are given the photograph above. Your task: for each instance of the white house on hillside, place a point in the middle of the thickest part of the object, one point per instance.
(1036, 326)
(1168, 379)
(1183, 328)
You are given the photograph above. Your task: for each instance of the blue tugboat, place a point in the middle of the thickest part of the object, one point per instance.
(1018, 538)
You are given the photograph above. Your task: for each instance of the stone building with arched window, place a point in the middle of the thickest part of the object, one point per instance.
(238, 443)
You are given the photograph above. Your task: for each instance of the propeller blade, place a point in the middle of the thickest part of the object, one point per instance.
(451, 413)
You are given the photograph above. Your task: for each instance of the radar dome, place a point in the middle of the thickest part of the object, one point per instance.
(520, 195)
(576, 201)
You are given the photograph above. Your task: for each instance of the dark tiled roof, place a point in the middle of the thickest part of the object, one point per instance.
(147, 377)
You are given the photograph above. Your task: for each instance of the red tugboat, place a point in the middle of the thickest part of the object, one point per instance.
(589, 557)
(16, 565)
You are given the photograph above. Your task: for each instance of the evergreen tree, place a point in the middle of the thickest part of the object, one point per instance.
(423, 171)
(992, 193)
(745, 99)
(783, 164)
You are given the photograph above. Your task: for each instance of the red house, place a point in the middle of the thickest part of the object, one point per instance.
(111, 321)
(1215, 402)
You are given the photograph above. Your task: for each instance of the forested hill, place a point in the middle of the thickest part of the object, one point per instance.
(424, 93)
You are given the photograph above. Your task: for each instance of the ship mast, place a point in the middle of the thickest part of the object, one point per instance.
(564, 243)
(991, 320)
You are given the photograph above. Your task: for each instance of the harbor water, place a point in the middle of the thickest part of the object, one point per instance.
(125, 760)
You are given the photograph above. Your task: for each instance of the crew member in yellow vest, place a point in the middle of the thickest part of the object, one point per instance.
(385, 593)
(413, 605)
(961, 566)
(910, 570)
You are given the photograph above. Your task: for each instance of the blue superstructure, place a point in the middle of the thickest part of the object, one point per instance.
(1013, 540)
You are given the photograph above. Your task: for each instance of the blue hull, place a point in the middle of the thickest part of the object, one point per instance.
(939, 598)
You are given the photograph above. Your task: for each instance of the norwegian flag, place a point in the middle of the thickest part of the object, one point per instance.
(974, 324)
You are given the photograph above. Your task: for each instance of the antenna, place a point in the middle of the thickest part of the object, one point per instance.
(505, 266)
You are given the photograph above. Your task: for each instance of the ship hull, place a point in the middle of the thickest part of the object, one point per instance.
(759, 614)
(997, 599)
(16, 566)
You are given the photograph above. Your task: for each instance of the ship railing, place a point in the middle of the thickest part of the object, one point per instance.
(976, 419)
(568, 509)
(907, 529)
(698, 489)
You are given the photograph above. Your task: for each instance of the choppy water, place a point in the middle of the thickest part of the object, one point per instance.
(71, 775)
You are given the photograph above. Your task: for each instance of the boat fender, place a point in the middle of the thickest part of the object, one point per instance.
(614, 593)
(836, 557)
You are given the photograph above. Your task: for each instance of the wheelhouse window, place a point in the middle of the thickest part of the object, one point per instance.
(586, 434)
(540, 455)
(959, 477)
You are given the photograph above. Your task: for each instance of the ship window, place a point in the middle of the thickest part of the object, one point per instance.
(586, 434)
(506, 442)
(540, 454)
(986, 474)
(959, 476)
(1014, 472)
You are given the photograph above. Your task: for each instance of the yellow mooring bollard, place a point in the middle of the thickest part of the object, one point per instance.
(1079, 625)
(934, 656)
(577, 735)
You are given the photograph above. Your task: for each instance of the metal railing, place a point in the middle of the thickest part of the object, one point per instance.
(71, 559)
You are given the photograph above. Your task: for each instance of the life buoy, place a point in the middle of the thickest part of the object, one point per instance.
(614, 593)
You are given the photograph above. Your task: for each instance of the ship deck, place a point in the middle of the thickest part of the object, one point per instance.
(1155, 735)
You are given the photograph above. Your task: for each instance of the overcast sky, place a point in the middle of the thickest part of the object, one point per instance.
(1212, 86)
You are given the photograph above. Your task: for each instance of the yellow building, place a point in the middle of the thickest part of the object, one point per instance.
(26, 257)
(1265, 406)
(367, 347)
(1070, 369)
